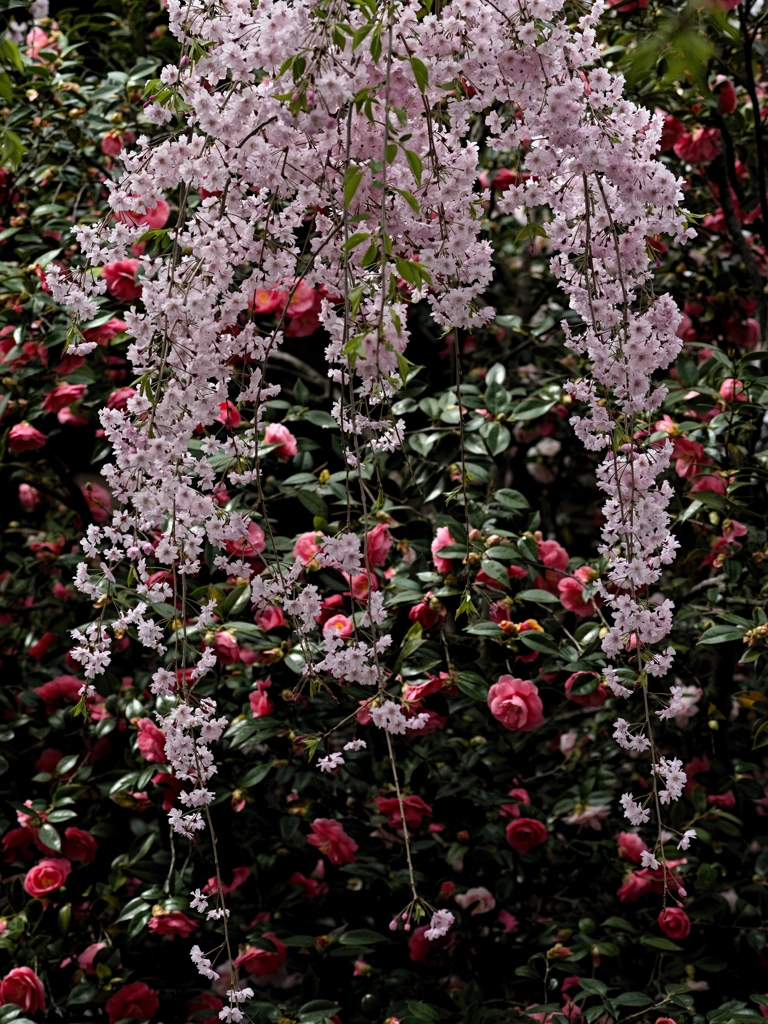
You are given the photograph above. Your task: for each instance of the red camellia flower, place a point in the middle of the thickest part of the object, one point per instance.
(204, 1001)
(62, 396)
(525, 833)
(442, 540)
(47, 876)
(330, 838)
(101, 335)
(378, 542)
(151, 741)
(588, 700)
(259, 962)
(259, 700)
(631, 847)
(134, 1000)
(570, 589)
(700, 148)
(24, 438)
(119, 399)
(674, 922)
(414, 807)
(23, 988)
(61, 690)
(86, 958)
(516, 703)
(555, 558)
(79, 845)
(121, 279)
(277, 433)
(171, 922)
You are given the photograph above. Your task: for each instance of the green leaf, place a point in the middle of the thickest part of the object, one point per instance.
(352, 178)
(313, 503)
(410, 198)
(630, 998)
(420, 73)
(49, 837)
(655, 942)
(414, 162)
(354, 240)
(721, 635)
(498, 438)
(473, 686)
(361, 937)
(539, 641)
(254, 775)
(539, 596)
(11, 149)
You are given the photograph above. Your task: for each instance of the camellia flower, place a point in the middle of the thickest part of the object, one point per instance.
(86, 958)
(516, 703)
(631, 847)
(79, 845)
(594, 699)
(570, 589)
(278, 434)
(24, 438)
(525, 833)
(330, 838)
(339, 625)
(22, 987)
(377, 545)
(260, 962)
(151, 741)
(414, 809)
(308, 545)
(121, 279)
(674, 922)
(171, 922)
(47, 875)
(442, 539)
(479, 898)
(134, 1000)
(554, 557)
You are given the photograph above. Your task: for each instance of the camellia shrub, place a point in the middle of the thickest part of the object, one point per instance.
(384, 513)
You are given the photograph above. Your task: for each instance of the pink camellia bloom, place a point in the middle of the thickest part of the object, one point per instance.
(726, 94)
(101, 335)
(304, 300)
(277, 433)
(134, 1000)
(86, 958)
(726, 801)
(419, 945)
(151, 741)
(62, 396)
(22, 987)
(171, 922)
(709, 482)
(699, 148)
(267, 301)
(414, 809)
(261, 705)
(570, 590)
(24, 438)
(516, 703)
(525, 833)
(513, 810)
(270, 618)
(39, 650)
(61, 690)
(479, 898)
(308, 545)
(442, 539)
(674, 922)
(115, 140)
(29, 497)
(248, 547)
(79, 845)
(260, 962)
(361, 585)
(339, 625)
(119, 398)
(98, 500)
(226, 647)
(377, 545)
(428, 612)
(239, 875)
(509, 922)
(631, 847)
(46, 876)
(156, 217)
(121, 279)
(330, 838)
(229, 415)
(555, 558)
(732, 390)
(587, 700)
